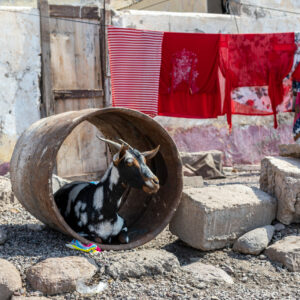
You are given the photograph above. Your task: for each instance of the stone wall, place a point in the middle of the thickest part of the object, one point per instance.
(20, 68)
(253, 137)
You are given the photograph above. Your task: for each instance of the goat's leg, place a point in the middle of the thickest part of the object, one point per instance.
(123, 236)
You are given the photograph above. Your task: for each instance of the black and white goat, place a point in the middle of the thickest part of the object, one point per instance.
(91, 209)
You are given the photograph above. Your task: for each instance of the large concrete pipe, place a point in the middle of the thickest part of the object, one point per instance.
(34, 158)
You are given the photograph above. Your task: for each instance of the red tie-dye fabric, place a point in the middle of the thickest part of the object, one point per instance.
(256, 60)
(189, 85)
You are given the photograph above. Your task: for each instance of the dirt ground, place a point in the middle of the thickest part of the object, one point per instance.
(255, 277)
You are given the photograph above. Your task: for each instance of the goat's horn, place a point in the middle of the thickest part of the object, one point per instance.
(117, 145)
(123, 142)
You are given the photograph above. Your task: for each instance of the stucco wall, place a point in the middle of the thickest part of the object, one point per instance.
(274, 8)
(19, 75)
(252, 137)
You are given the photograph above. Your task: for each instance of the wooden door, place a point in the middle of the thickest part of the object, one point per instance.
(77, 84)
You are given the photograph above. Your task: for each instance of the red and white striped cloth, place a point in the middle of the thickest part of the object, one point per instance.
(135, 61)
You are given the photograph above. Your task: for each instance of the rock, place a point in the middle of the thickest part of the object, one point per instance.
(3, 236)
(36, 226)
(287, 252)
(10, 279)
(142, 263)
(292, 150)
(6, 194)
(60, 275)
(280, 177)
(208, 273)
(192, 157)
(195, 181)
(28, 298)
(215, 216)
(4, 168)
(279, 227)
(254, 241)
(58, 182)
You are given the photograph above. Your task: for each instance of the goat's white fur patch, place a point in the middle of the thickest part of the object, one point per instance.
(106, 173)
(106, 229)
(83, 206)
(73, 194)
(98, 198)
(84, 218)
(77, 208)
(114, 177)
(118, 224)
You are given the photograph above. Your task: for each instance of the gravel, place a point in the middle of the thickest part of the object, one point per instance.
(255, 277)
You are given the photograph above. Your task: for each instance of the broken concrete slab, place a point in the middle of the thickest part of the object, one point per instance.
(194, 181)
(215, 216)
(287, 252)
(191, 157)
(280, 177)
(291, 150)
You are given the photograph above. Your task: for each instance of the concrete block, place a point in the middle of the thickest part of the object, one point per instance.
(287, 252)
(194, 181)
(292, 150)
(280, 177)
(215, 216)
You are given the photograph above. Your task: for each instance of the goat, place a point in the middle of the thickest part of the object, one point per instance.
(91, 209)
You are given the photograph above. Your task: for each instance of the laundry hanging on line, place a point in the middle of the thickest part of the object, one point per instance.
(196, 98)
(135, 60)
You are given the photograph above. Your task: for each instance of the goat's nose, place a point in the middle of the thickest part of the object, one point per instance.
(155, 180)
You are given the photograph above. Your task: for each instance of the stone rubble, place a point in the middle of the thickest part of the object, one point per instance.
(60, 275)
(254, 241)
(3, 236)
(142, 263)
(280, 177)
(287, 252)
(255, 277)
(10, 279)
(208, 273)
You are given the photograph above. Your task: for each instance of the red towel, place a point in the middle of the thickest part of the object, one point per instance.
(189, 85)
(256, 60)
(135, 58)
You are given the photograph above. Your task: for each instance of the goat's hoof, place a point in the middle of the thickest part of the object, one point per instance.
(123, 238)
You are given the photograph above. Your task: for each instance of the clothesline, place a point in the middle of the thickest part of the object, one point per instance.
(196, 75)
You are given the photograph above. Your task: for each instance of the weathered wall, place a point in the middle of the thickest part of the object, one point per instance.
(252, 137)
(33, 3)
(19, 75)
(274, 8)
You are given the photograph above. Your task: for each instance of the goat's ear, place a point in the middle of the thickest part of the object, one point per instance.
(150, 154)
(120, 155)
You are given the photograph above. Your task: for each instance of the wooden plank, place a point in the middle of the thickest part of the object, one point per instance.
(72, 94)
(47, 103)
(76, 55)
(74, 12)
